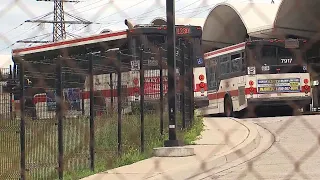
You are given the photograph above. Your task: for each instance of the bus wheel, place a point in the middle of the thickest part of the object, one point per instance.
(228, 108)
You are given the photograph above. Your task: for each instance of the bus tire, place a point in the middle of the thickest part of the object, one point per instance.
(228, 107)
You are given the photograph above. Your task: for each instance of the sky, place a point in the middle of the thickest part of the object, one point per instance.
(105, 14)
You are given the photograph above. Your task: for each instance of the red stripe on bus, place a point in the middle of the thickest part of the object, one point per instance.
(131, 91)
(224, 50)
(102, 36)
(220, 95)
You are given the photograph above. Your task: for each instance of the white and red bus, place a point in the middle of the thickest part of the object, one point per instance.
(257, 73)
(129, 40)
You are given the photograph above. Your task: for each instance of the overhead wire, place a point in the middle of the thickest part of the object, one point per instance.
(139, 17)
(182, 10)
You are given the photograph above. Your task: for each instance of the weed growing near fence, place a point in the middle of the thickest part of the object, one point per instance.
(106, 141)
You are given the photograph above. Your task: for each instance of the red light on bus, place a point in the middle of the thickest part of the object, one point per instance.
(251, 89)
(306, 88)
(136, 81)
(136, 89)
(201, 77)
(251, 83)
(201, 85)
(306, 81)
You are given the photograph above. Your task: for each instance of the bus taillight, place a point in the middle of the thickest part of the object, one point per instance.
(306, 88)
(201, 77)
(136, 81)
(251, 89)
(202, 85)
(306, 81)
(251, 83)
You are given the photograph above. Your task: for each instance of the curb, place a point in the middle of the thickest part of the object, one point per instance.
(173, 152)
(249, 144)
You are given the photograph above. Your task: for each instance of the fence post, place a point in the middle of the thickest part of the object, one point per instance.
(22, 123)
(182, 85)
(59, 114)
(82, 101)
(171, 58)
(91, 112)
(119, 94)
(190, 67)
(161, 90)
(141, 100)
(10, 99)
(111, 93)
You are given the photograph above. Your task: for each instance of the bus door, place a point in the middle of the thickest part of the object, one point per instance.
(315, 94)
(315, 83)
(213, 83)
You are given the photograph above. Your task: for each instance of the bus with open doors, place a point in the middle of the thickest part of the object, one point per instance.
(150, 37)
(257, 73)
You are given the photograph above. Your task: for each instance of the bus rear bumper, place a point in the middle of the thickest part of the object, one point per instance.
(299, 102)
(201, 102)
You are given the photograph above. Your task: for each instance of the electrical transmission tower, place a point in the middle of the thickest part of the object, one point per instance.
(59, 23)
(59, 28)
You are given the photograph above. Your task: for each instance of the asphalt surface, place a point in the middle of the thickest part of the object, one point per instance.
(294, 154)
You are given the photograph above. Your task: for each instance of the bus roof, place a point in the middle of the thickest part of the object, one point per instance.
(71, 43)
(241, 46)
(225, 50)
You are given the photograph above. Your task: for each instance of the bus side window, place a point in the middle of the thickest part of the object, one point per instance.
(235, 63)
(224, 65)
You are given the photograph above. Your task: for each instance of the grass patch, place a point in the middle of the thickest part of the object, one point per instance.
(131, 140)
(42, 144)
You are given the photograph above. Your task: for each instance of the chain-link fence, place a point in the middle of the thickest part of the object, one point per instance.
(85, 110)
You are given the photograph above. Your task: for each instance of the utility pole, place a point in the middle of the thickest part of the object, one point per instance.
(171, 58)
(59, 30)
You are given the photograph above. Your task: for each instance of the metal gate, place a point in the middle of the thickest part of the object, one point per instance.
(9, 131)
(184, 82)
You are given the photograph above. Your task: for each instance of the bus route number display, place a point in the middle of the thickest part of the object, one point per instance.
(182, 30)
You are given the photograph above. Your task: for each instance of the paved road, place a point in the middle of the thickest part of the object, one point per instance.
(295, 153)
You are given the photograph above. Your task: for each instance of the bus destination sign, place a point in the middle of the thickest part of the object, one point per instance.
(183, 30)
(291, 43)
(278, 85)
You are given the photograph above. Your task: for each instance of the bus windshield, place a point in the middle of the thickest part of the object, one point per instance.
(275, 58)
(152, 42)
(276, 55)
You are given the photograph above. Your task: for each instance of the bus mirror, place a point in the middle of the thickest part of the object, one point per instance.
(128, 23)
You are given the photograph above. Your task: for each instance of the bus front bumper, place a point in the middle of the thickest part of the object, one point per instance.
(201, 102)
(281, 101)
